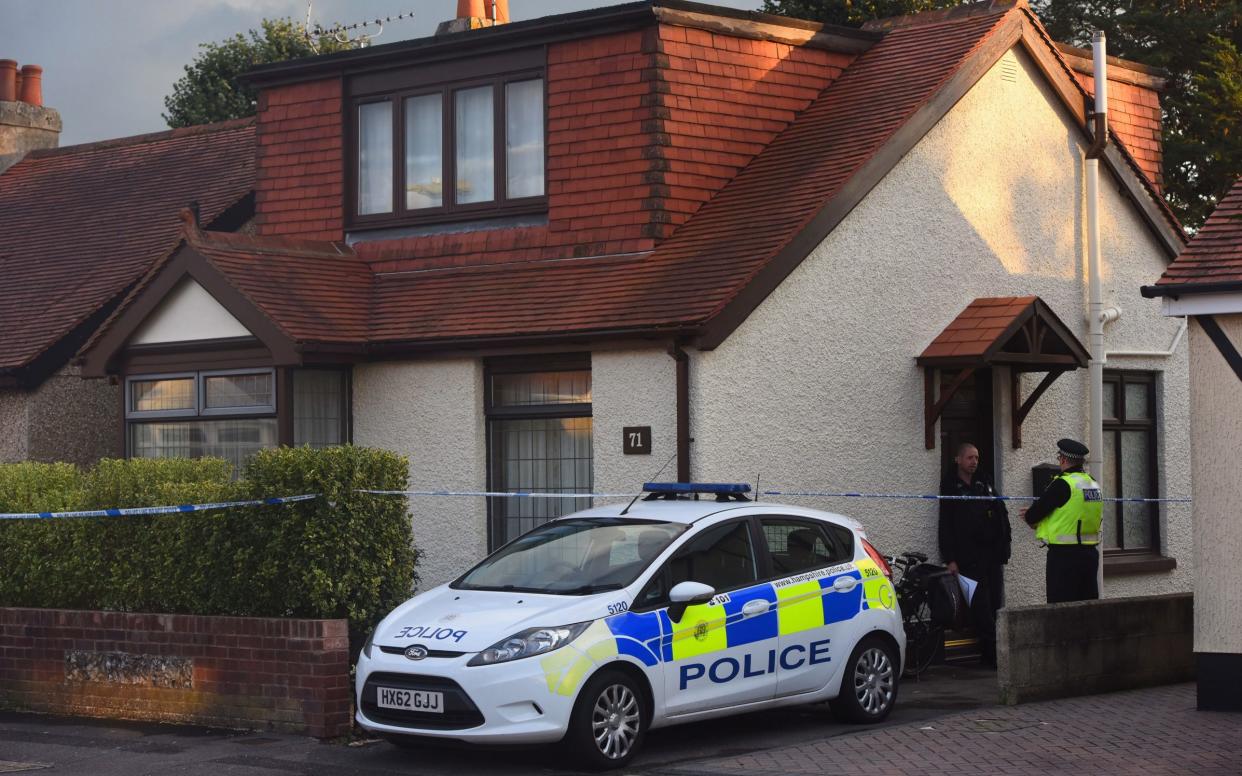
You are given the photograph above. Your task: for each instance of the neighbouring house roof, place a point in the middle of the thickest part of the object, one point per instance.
(1013, 330)
(704, 280)
(80, 225)
(1213, 260)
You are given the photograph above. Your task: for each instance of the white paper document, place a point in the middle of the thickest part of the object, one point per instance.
(968, 587)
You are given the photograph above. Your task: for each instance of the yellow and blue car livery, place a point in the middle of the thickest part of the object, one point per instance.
(776, 642)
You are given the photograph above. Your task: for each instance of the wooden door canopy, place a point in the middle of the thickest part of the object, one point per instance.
(1020, 332)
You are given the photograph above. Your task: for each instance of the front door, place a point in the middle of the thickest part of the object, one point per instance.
(968, 418)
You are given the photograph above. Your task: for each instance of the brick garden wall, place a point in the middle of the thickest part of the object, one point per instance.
(235, 672)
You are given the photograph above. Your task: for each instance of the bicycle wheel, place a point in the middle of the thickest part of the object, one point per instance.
(923, 640)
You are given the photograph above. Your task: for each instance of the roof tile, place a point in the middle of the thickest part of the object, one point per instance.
(80, 224)
(1215, 253)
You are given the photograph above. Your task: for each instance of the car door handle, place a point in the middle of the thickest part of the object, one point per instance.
(754, 608)
(844, 584)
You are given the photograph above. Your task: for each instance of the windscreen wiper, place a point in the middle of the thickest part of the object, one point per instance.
(588, 589)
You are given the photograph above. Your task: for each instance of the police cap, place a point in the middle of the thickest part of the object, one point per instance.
(1071, 448)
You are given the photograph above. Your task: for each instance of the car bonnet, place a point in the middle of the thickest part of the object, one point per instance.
(473, 620)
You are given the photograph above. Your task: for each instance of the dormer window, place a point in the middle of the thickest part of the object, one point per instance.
(466, 150)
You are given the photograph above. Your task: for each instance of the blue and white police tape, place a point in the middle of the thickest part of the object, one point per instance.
(785, 493)
(935, 497)
(168, 510)
(495, 494)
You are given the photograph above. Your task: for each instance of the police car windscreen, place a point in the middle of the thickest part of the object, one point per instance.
(574, 557)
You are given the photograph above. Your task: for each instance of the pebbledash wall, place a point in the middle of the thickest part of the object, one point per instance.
(438, 422)
(233, 672)
(65, 418)
(1217, 433)
(818, 389)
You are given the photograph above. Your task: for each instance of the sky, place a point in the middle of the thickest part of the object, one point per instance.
(107, 64)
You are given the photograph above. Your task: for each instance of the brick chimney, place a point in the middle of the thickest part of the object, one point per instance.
(473, 14)
(25, 124)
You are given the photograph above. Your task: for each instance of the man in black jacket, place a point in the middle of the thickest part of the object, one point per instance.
(975, 541)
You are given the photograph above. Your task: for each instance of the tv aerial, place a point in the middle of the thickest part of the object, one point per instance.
(361, 36)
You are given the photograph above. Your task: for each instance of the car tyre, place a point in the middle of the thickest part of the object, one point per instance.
(869, 686)
(609, 721)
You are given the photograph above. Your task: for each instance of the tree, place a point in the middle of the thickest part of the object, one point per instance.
(1197, 43)
(852, 13)
(209, 91)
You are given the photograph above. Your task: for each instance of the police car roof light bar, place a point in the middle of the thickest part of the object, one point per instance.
(723, 491)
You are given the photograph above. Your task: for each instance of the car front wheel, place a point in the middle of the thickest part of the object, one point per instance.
(869, 687)
(609, 721)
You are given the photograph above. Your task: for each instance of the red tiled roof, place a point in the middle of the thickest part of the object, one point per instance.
(1012, 328)
(978, 327)
(691, 277)
(313, 291)
(79, 225)
(709, 259)
(1215, 253)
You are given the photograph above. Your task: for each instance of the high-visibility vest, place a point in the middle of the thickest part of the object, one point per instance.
(1078, 520)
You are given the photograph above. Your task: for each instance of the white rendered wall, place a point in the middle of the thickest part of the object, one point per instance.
(188, 313)
(1216, 396)
(632, 388)
(818, 389)
(431, 412)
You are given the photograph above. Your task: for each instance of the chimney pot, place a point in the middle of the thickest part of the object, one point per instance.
(32, 85)
(472, 9)
(8, 80)
(501, 8)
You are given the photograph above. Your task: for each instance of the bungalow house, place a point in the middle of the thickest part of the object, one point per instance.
(78, 227)
(1204, 285)
(665, 239)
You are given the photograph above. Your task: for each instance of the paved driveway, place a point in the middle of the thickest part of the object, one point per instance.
(95, 748)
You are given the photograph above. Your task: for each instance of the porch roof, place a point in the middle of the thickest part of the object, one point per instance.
(1016, 331)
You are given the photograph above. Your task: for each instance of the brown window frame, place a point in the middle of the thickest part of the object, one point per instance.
(1121, 422)
(449, 211)
(492, 412)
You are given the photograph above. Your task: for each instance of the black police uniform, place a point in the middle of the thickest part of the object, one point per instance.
(1071, 569)
(976, 536)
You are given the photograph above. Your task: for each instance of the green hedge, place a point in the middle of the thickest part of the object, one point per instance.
(345, 555)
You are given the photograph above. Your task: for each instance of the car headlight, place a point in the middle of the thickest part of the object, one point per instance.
(366, 648)
(528, 643)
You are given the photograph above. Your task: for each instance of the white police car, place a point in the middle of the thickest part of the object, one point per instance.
(597, 626)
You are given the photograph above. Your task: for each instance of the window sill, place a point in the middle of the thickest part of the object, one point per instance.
(1120, 565)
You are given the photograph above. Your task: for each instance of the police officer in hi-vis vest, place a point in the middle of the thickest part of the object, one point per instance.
(1067, 518)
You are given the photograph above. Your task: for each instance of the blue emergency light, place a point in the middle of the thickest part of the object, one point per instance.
(723, 491)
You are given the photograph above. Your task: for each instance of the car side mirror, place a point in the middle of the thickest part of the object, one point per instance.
(685, 593)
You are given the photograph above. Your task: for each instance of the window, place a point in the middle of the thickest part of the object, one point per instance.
(231, 414)
(575, 557)
(450, 152)
(797, 545)
(320, 412)
(722, 556)
(1129, 462)
(539, 439)
(226, 415)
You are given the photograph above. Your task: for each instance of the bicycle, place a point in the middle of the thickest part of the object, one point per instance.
(924, 638)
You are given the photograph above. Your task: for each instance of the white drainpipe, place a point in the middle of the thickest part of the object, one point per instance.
(1095, 305)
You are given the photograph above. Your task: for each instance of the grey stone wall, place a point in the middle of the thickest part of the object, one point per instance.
(66, 418)
(1087, 647)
